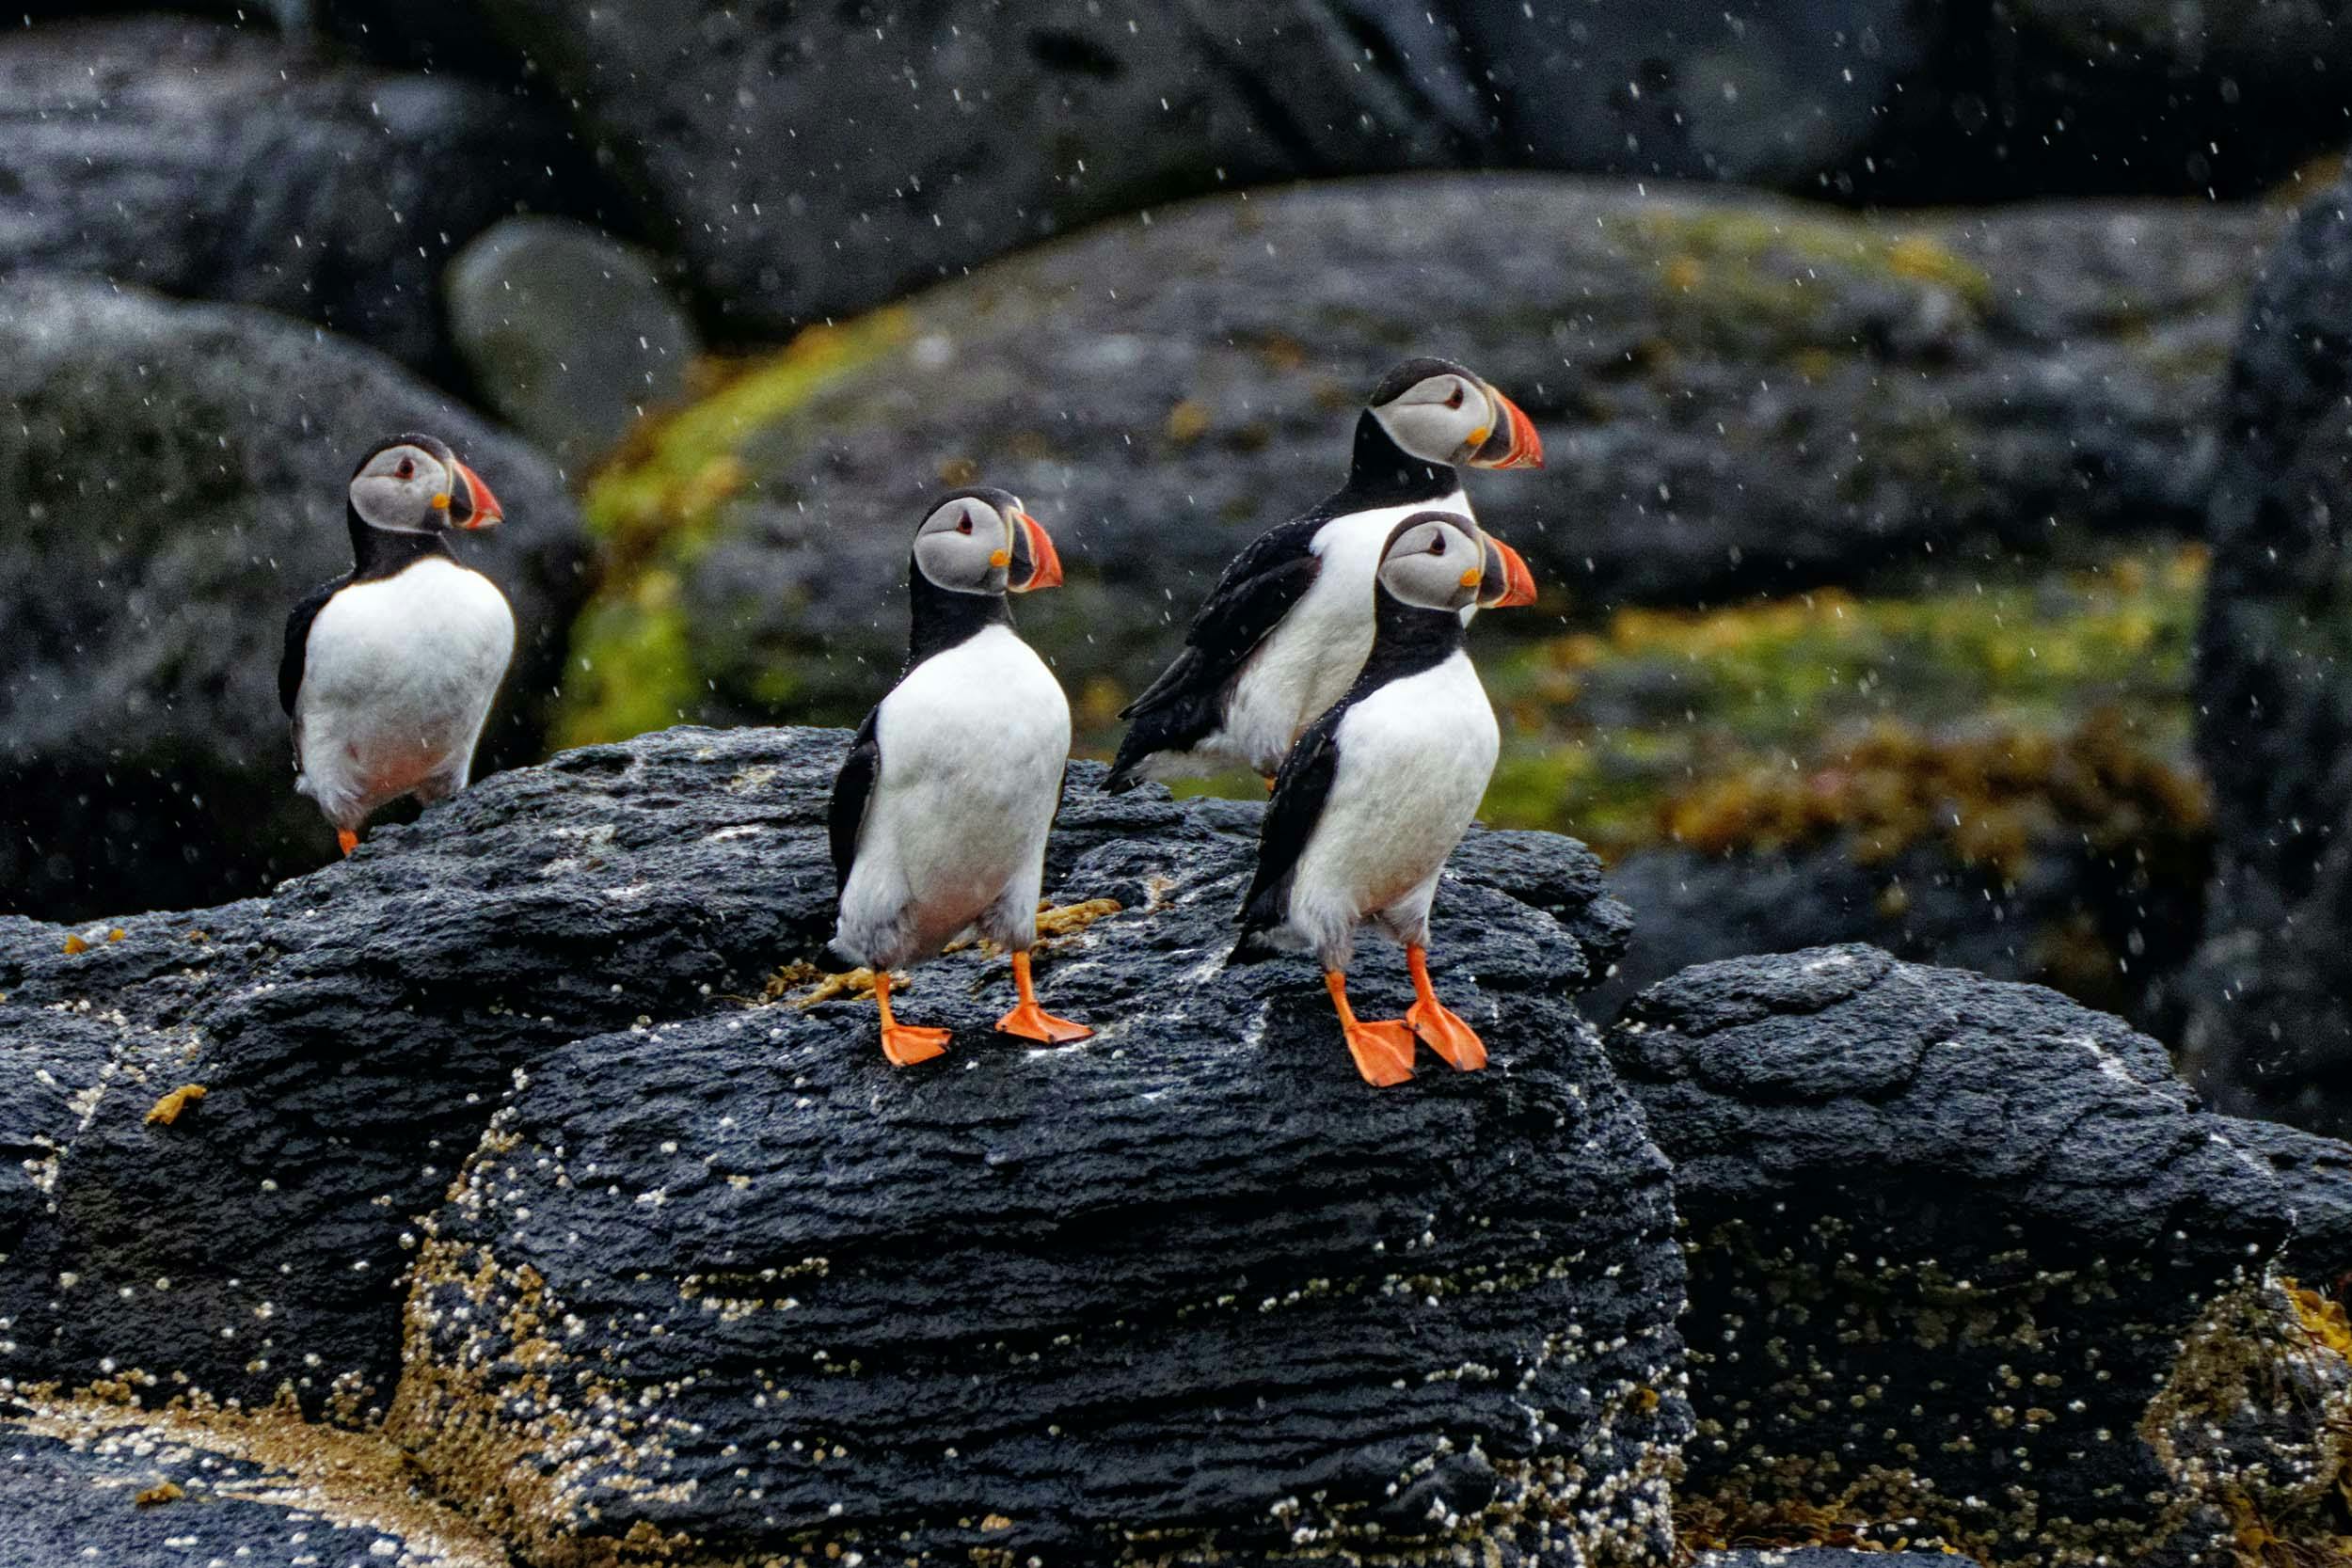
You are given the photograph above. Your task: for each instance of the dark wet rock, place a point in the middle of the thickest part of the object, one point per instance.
(1754, 93)
(2316, 1174)
(899, 148)
(1735, 395)
(1965, 1255)
(174, 476)
(210, 162)
(2201, 99)
(1002, 1303)
(85, 1482)
(568, 333)
(2269, 1031)
(354, 1034)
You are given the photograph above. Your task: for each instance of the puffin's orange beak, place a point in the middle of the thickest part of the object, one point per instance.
(482, 507)
(1037, 548)
(1514, 443)
(1507, 577)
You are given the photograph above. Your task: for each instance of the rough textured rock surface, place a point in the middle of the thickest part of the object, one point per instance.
(1965, 1255)
(570, 334)
(914, 142)
(994, 1305)
(86, 1482)
(214, 163)
(174, 476)
(2316, 1174)
(1734, 394)
(2269, 1031)
(1503, 1242)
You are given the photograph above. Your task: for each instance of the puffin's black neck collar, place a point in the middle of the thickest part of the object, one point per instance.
(940, 618)
(1407, 638)
(382, 552)
(1384, 474)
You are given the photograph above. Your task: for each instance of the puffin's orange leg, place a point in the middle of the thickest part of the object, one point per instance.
(1383, 1051)
(1437, 1024)
(1031, 1021)
(903, 1044)
(348, 839)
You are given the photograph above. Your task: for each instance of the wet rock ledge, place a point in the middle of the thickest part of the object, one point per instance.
(537, 1206)
(499, 1156)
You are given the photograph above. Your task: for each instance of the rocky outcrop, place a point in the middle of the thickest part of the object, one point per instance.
(568, 333)
(1073, 1268)
(1734, 394)
(517, 1171)
(999, 1306)
(2269, 1031)
(924, 141)
(222, 163)
(910, 145)
(175, 479)
(1968, 1261)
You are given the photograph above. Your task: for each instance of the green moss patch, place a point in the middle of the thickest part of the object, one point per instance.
(656, 507)
(1770, 723)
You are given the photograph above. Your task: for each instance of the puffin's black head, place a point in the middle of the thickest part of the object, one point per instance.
(415, 484)
(981, 541)
(1436, 561)
(1439, 412)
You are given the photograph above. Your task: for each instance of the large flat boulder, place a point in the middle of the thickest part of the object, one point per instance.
(1969, 1265)
(173, 476)
(1735, 393)
(355, 1033)
(1188, 1287)
(223, 162)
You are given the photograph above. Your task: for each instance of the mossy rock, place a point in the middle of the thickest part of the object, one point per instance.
(1738, 394)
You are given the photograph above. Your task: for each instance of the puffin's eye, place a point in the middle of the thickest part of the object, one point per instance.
(407, 469)
(1437, 546)
(1453, 399)
(963, 524)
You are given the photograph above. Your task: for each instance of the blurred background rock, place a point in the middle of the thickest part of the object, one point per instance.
(1883, 352)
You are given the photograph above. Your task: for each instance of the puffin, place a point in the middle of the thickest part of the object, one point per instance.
(1289, 621)
(388, 672)
(1378, 791)
(940, 810)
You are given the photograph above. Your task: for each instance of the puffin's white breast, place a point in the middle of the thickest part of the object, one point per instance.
(1313, 653)
(397, 677)
(1414, 759)
(972, 744)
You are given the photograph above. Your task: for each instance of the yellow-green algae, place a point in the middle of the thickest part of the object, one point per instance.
(655, 507)
(1647, 728)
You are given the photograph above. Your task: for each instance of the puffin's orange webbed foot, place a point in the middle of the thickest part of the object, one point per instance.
(1030, 1022)
(905, 1044)
(347, 839)
(1383, 1051)
(1439, 1026)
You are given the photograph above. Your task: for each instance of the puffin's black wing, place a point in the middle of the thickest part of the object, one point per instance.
(1256, 590)
(298, 642)
(1300, 791)
(852, 788)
